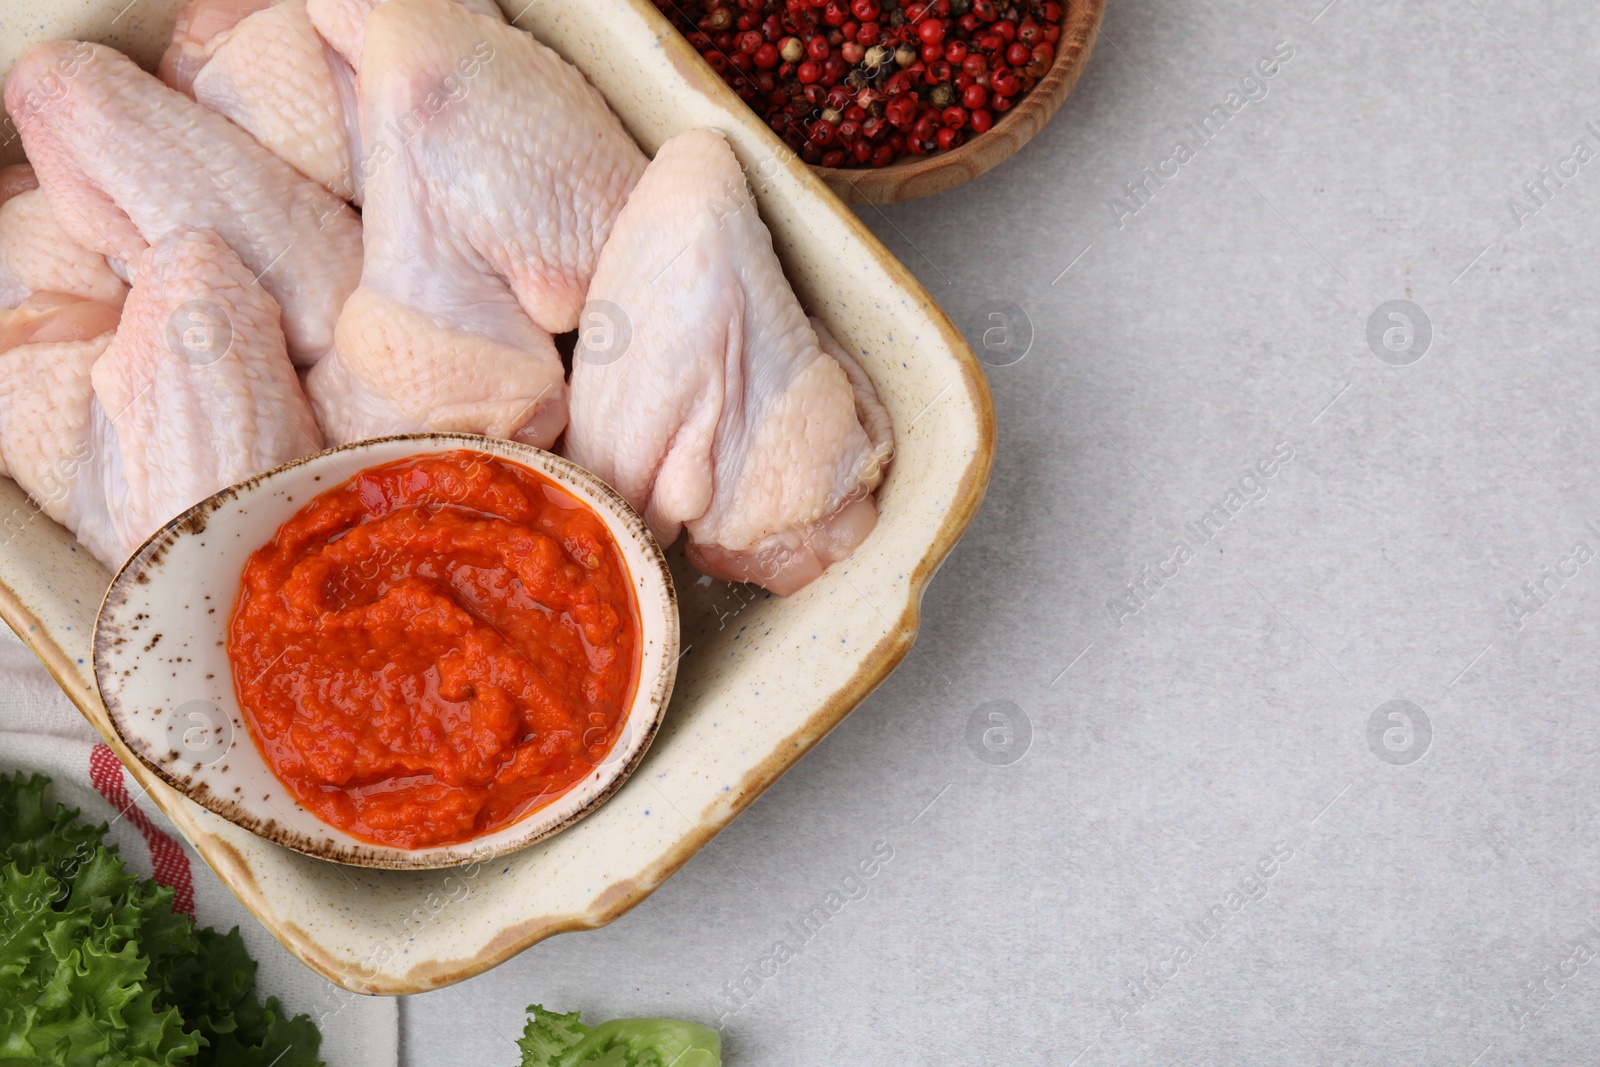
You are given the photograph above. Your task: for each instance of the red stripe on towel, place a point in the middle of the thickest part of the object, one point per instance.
(167, 858)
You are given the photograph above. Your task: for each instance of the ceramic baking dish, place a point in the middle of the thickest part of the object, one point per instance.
(761, 679)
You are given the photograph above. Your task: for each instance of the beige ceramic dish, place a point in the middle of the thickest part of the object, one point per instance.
(915, 177)
(161, 659)
(761, 679)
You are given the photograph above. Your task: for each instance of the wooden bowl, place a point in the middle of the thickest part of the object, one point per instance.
(917, 176)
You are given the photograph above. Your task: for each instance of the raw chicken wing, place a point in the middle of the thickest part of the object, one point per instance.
(704, 395)
(114, 433)
(123, 160)
(494, 174)
(36, 255)
(262, 64)
(342, 22)
(47, 347)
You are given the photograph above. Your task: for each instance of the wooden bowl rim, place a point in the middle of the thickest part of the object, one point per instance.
(1081, 23)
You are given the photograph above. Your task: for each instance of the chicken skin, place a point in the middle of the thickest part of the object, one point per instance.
(494, 172)
(263, 65)
(36, 255)
(342, 23)
(704, 395)
(114, 428)
(47, 347)
(124, 160)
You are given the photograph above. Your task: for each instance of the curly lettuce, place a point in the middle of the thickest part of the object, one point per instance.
(552, 1039)
(96, 968)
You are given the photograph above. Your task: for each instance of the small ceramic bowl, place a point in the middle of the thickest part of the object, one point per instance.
(161, 660)
(918, 176)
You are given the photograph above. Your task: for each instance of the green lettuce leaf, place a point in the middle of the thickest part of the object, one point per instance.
(96, 969)
(555, 1040)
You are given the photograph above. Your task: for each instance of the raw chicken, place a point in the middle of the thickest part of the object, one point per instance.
(342, 22)
(17, 178)
(36, 255)
(47, 346)
(703, 394)
(115, 435)
(495, 172)
(124, 160)
(262, 64)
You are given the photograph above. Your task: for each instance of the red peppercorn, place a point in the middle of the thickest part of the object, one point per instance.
(923, 75)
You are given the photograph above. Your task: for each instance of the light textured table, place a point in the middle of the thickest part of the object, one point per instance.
(1429, 894)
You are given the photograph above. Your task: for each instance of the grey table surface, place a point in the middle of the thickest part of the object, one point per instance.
(1208, 833)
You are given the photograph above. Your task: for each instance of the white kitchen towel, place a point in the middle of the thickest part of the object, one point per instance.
(42, 732)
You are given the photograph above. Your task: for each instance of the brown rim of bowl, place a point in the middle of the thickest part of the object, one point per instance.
(651, 704)
(919, 176)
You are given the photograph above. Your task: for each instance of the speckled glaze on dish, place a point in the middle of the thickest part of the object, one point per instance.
(161, 658)
(761, 678)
